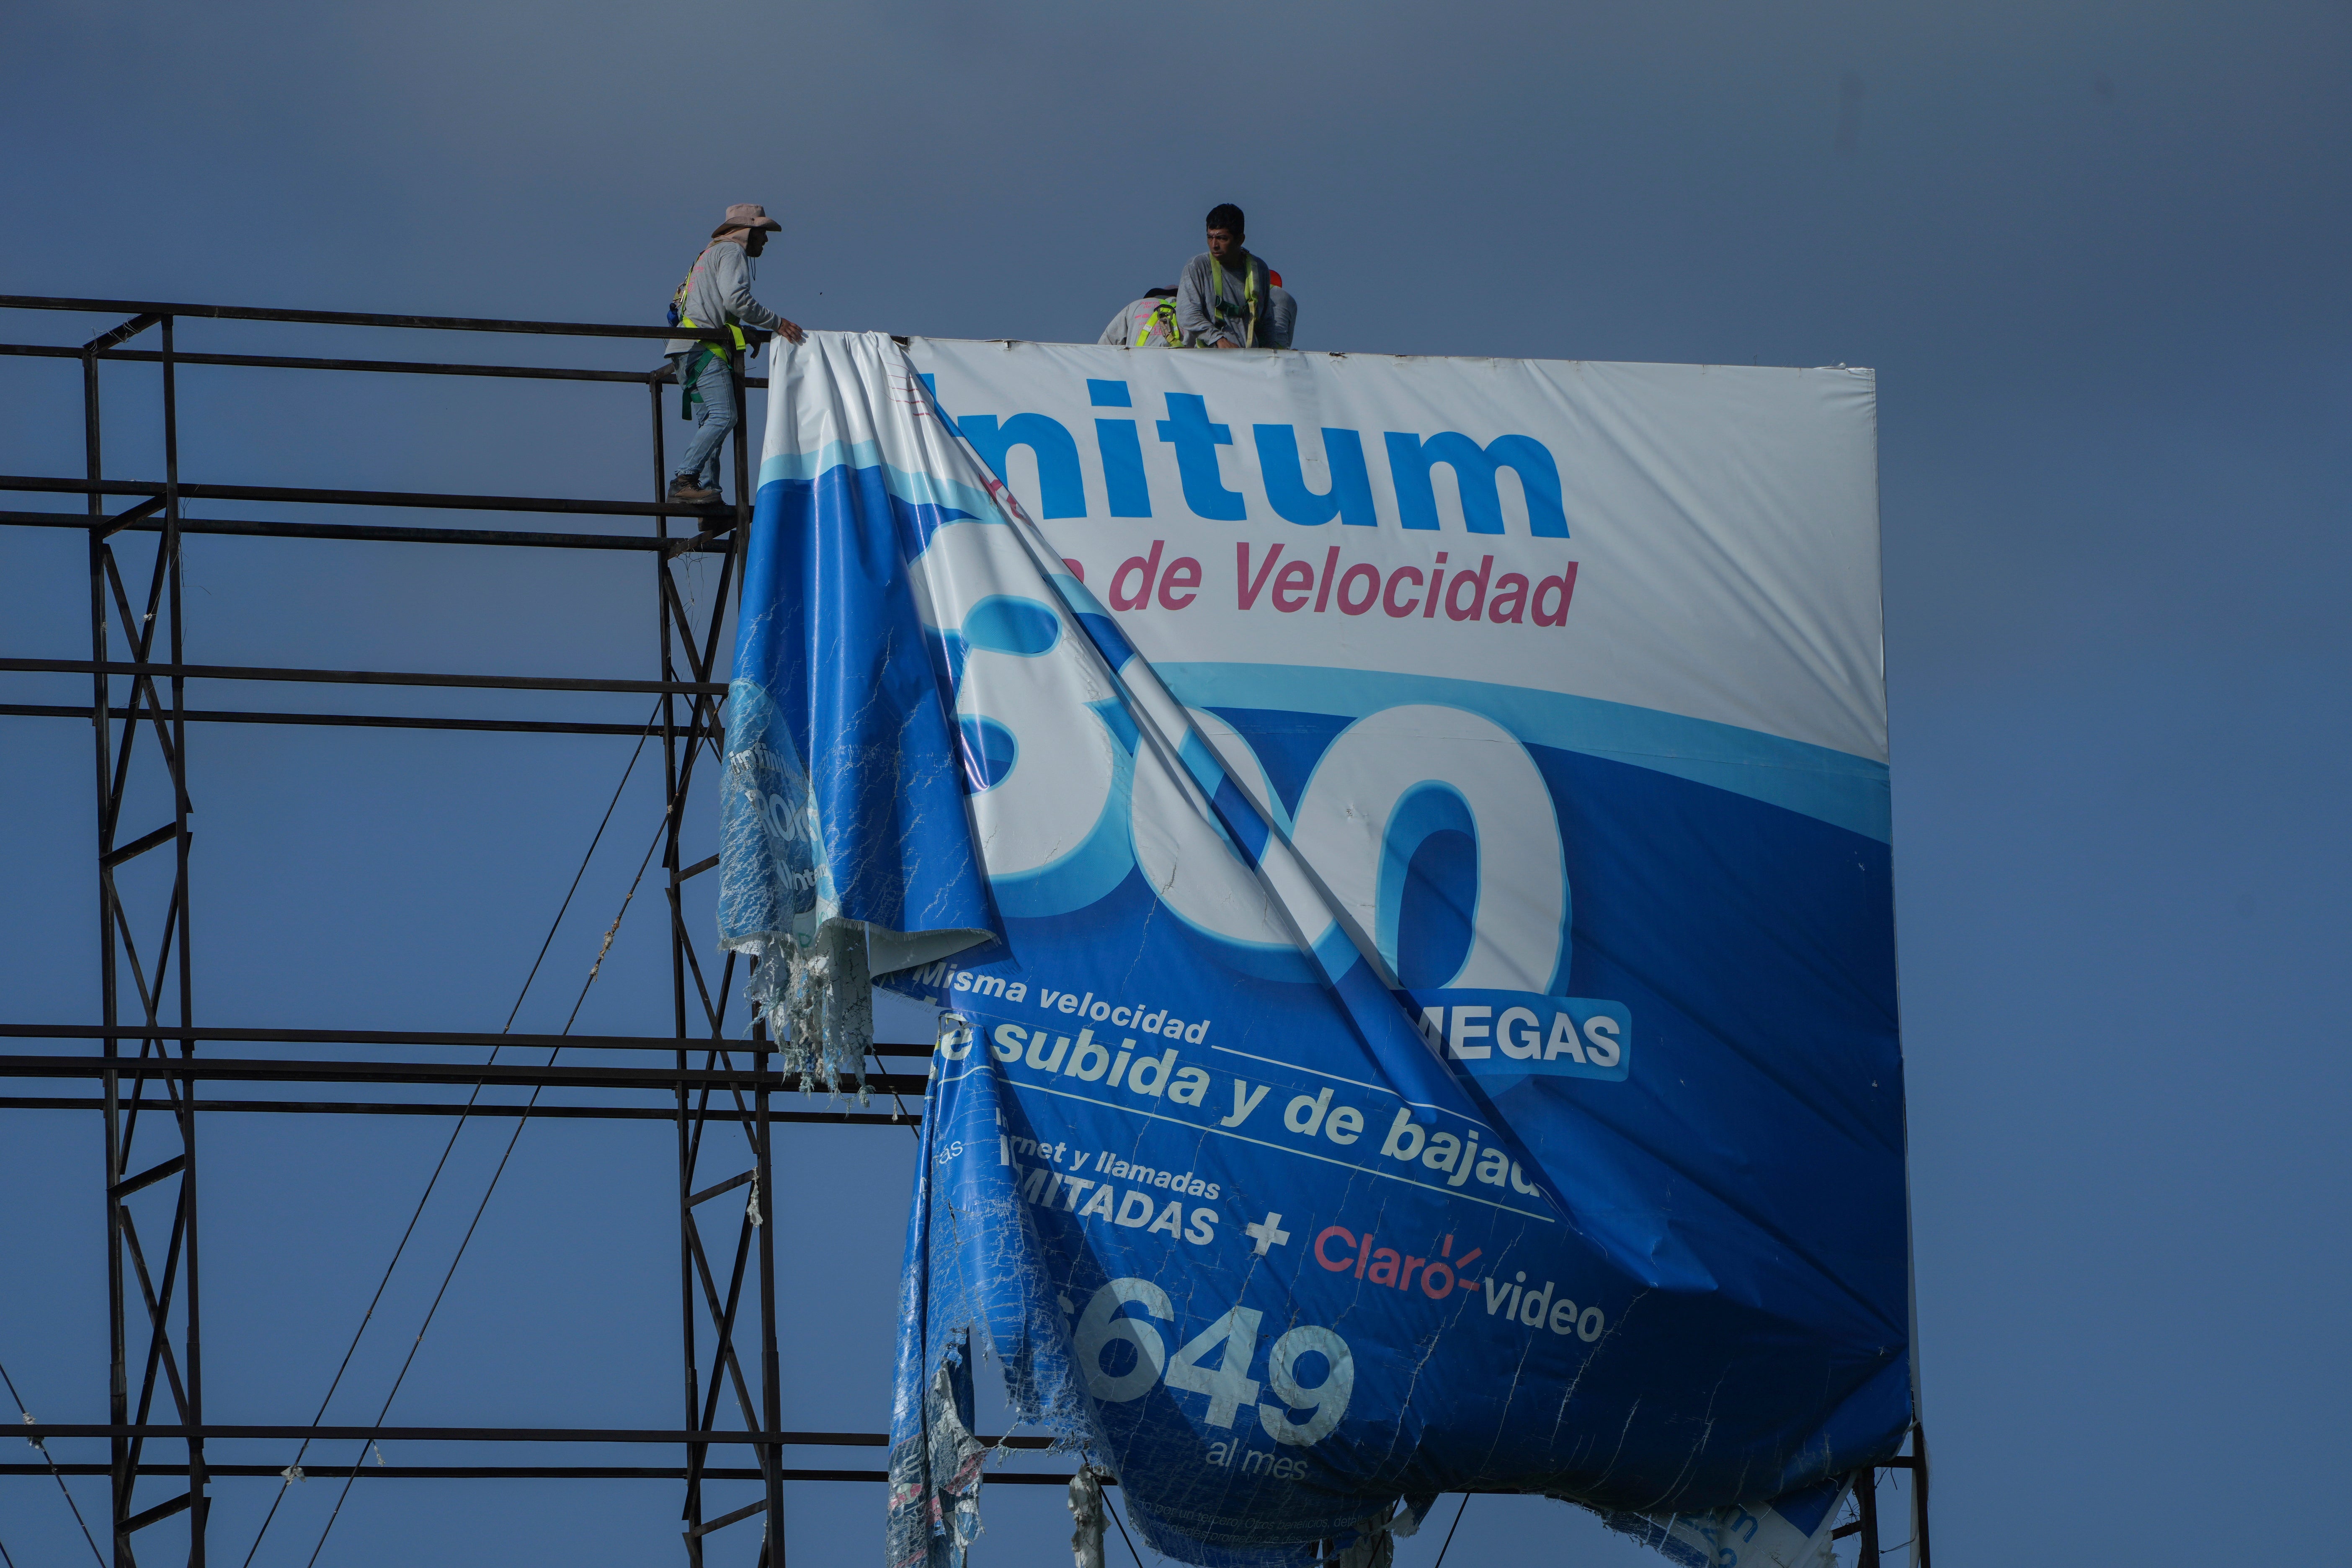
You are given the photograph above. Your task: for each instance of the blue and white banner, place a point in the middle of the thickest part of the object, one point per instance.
(1404, 843)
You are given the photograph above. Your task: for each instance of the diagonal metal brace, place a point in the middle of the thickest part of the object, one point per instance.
(156, 1515)
(123, 333)
(139, 846)
(723, 1520)
(122, 520)
(707, 1193)
(148, 1178)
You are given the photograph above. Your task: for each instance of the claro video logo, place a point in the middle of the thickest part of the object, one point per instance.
(1339, 1250)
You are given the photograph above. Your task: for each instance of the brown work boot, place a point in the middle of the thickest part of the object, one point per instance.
(687, 490)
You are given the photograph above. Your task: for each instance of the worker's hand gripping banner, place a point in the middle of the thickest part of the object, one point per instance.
(1410, 885)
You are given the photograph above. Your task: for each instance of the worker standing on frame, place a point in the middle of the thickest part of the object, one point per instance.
(717, 294)
(1226, 297)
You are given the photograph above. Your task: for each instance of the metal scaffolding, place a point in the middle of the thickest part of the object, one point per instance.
(142, 1054)
(144, 1061)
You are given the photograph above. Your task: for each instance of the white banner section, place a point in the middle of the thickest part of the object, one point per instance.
(1674, 567)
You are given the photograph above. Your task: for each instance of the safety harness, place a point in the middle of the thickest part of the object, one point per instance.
(688, 389)
(1249, 297)
(1160, 319)
(691, 384)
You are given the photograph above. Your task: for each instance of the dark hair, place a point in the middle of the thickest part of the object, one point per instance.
(1225, 214)
(1159, 293)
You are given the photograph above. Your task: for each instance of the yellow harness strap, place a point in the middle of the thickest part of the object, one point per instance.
(1249, 297)
(688, 393)
(1162, 317)
(735, 331)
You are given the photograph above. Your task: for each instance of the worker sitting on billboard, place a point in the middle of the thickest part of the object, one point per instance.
(1150, 322)
(1227, 298)
(717, 294)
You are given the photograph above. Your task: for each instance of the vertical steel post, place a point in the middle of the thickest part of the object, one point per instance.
(692, 1510)
(117, 1392)
(199, 1502)
(117, 945)
(1919, 1495)
(771, 1416)
(1865, 1498)
(743, 451)
(738, 542)
(673, 809)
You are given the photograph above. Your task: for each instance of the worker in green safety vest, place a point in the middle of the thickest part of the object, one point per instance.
(1225, 298)
(717, 294)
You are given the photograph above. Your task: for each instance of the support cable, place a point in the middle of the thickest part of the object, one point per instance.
(1122, 1532)
(467, 1241)
(1449, 1531)
(60, 1479)
(447, 1149)
(513, 1012)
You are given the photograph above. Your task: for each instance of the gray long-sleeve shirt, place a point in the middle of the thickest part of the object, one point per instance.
(1281, 318)
(718, 294)
(1204, 319)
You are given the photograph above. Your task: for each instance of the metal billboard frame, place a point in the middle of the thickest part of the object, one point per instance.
(138, 692)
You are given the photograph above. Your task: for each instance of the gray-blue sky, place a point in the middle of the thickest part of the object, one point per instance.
(2095, 253)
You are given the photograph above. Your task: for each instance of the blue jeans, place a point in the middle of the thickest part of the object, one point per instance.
(714, 417)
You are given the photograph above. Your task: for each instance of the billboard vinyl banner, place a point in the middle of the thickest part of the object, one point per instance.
(1404, 846)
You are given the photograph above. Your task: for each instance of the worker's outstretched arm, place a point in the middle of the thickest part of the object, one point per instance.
(733, 276)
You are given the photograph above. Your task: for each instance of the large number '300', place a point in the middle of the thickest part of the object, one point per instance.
(1067, 803)
(1228, 1385)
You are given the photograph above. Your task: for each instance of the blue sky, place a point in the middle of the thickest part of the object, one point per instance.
(2095, 253)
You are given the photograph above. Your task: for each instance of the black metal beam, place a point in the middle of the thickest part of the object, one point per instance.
(246, 528)
(661, 374)
(605, 1472)
(121, 334)
(161, 1510)
(357, 677)
(43, 484)
(462, 1472)
(451, 1108)
(724, 1519)
(349, 720)
(659, 1435)
(137, 847)
(149, 1177)
(557, 1076)
(527, 1472)
(392, 1038)
(350, 318)
(1918, 1468)
(136, 513)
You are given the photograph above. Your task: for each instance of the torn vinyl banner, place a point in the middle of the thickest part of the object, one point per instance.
(1403, 843)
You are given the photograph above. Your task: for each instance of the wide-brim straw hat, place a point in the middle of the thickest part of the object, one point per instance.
(745, 215)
